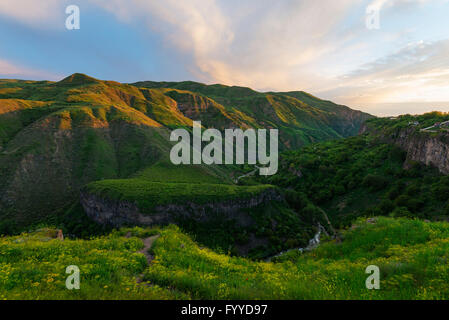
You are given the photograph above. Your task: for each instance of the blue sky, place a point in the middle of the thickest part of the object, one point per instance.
(103, 47)
(322, 47)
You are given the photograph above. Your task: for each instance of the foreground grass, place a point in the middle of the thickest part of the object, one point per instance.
(32, 266)
(412, 256)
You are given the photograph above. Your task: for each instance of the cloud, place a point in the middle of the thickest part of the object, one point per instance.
(196, 27)
(418, 72)
(285, 45)
(11, 70)
(256, 43)
(31, 12)
(318, 46)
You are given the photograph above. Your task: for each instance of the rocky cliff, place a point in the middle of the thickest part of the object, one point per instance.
(429, 148)
(118, 212)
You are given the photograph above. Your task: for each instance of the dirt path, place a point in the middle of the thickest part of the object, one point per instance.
(247, 175)
(147, 244)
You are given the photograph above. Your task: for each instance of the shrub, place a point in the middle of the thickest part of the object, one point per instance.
(401, 212)
(375, 182)
(387, 206)
(441, 191)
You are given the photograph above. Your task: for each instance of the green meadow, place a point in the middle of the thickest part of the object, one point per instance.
(412, 256)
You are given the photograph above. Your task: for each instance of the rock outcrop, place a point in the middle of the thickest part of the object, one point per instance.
(425, 147)
(119, 213)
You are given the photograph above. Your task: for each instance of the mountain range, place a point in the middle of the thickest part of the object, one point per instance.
(57, 137)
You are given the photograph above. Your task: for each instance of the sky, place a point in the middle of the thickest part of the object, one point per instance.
(385, 57)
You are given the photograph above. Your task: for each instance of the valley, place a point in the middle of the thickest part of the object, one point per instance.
(92, 158)
(59, 137)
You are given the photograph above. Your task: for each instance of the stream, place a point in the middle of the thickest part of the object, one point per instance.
(313, 243)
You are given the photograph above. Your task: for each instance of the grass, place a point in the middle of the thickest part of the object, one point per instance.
(32, 266)
(164, 171)
(412, 256)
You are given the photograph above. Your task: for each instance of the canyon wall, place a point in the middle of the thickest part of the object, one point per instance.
(119, 213)
(429, 148)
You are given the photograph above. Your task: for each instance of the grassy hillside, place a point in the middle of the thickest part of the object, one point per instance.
(32, 266)
(416, 122)
(301, 117)
(164, 171)
(408, 252)
(411, 255)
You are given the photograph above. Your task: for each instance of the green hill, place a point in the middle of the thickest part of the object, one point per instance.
(300, 117)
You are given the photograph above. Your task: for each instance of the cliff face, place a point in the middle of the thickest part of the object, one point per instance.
(425, 147)
(430, 150)
(118, 213)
